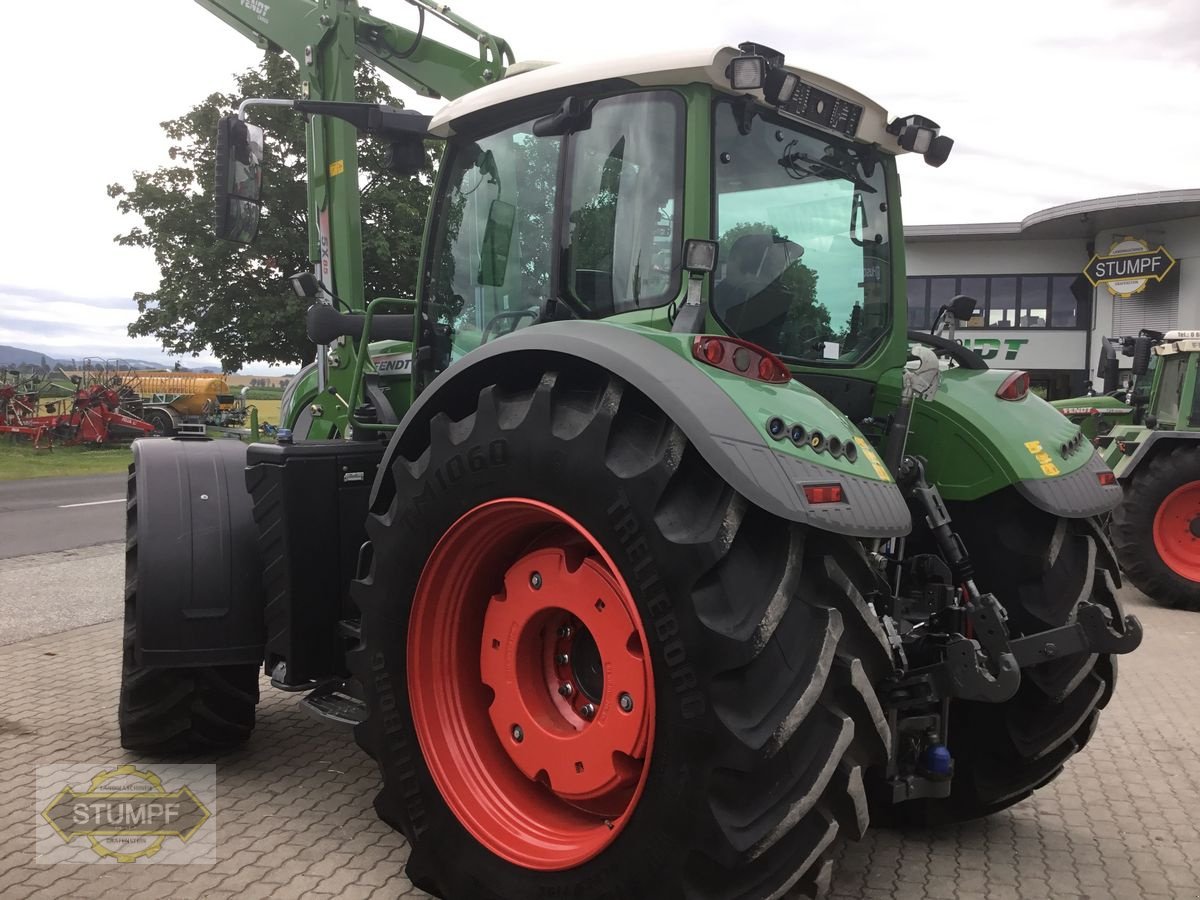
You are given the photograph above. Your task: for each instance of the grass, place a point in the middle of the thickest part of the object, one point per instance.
(19, 461)
(264, 393)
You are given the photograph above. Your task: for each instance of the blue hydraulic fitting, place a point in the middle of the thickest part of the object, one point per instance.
(936, 761)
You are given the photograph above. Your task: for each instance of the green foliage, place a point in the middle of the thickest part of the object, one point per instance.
(235, 299)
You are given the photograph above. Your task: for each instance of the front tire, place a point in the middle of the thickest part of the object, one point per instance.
(178, 709)
(1156, 529)
(758, 653)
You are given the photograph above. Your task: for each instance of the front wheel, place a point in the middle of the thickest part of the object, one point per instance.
(1156, 529)
(593, 670)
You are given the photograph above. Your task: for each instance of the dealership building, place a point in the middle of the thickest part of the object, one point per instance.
(1050, 287)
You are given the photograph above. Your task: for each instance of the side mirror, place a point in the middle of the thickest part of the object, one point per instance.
(497, 239)
(963, 307)
(1141, 354)
(1109, 368)
(406, 156)
(237, 188)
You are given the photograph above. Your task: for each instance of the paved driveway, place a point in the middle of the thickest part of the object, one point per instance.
(295, 817)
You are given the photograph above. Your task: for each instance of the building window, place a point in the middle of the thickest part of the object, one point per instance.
(1001, 301)
(1063, 306)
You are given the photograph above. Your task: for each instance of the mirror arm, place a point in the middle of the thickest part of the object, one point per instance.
(261, 101)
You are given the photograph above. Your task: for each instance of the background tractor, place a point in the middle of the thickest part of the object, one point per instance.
(651, 554)
(1154, 449)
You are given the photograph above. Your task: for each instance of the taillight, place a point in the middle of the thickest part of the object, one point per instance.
(824, 493)
(740, 358)
(1014, 387)
(1107, 479)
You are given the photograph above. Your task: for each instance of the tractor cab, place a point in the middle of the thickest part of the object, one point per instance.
(1173, 401)
(581, 192)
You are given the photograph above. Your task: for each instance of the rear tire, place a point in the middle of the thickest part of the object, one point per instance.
(1152, 529)
(1040, 567)
(178, 709)
(762, 653)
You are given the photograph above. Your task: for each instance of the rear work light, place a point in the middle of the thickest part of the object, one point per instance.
(824, 493)
(1014, 387)
(1107, 479)
(740, 358)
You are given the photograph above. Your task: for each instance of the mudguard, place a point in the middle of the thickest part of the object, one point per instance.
(724, 416)
(975, 444)
(1140, 444)
(199, 569)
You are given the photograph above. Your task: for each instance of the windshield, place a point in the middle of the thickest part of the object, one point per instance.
(804, 268)
(617, 241)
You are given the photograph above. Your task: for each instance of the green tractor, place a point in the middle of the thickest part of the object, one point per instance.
(1155, 454)
(1117, 404)
(645, 550)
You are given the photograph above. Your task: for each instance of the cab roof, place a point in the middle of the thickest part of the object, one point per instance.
(648, 70)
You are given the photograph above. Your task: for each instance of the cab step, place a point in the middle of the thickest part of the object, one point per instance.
(334, 701)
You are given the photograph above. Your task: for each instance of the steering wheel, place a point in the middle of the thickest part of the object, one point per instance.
(967, 359)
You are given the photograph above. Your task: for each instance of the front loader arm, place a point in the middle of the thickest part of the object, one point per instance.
(432, 69)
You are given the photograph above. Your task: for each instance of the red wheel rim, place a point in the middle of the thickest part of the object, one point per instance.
(1177, 531)
(516, 601)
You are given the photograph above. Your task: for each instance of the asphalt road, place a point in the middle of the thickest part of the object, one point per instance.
(42, 515)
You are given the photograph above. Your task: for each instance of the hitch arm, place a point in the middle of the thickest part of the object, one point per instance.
(1093, 631)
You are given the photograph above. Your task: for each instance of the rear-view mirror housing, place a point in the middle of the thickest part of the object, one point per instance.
(237, 186)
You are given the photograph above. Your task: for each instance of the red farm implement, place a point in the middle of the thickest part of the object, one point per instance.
(94, 411)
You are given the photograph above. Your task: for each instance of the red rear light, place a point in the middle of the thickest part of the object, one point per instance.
(1107, 479)
(740, 357)
(824, 493)
(1014, 387)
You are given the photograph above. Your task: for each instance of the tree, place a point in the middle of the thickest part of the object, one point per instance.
(234, 299)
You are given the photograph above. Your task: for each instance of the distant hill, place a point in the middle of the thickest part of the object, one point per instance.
(20, 356)
(15, 356)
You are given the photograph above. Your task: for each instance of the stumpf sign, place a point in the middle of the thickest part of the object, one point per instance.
(1128, 267)
(1028, 349)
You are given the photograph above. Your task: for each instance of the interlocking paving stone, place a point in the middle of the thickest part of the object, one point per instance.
(295, 816)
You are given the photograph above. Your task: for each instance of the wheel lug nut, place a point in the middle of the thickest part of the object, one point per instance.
(564, 632)
(518, 734)
(587, 710)
(562, 659)
(625, 702)
(535, 580)
(565, 689)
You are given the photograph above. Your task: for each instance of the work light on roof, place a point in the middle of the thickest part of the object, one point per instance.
(921, 135)
(747, 73)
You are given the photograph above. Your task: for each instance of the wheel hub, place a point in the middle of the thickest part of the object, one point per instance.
(547, 652)
(1176, 531)
(532, 696)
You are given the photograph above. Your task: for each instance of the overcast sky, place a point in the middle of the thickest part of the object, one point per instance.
(1049, 101)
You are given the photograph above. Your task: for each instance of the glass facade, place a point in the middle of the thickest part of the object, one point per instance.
(1001, 301)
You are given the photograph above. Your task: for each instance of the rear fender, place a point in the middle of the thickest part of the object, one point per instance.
(199, 569)
(724, 417)
(975, 444)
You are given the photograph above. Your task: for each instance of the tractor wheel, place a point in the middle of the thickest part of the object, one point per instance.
(593, 670)
(177, 709)
(164, 426)
(1156, 529)
(1040, 567)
